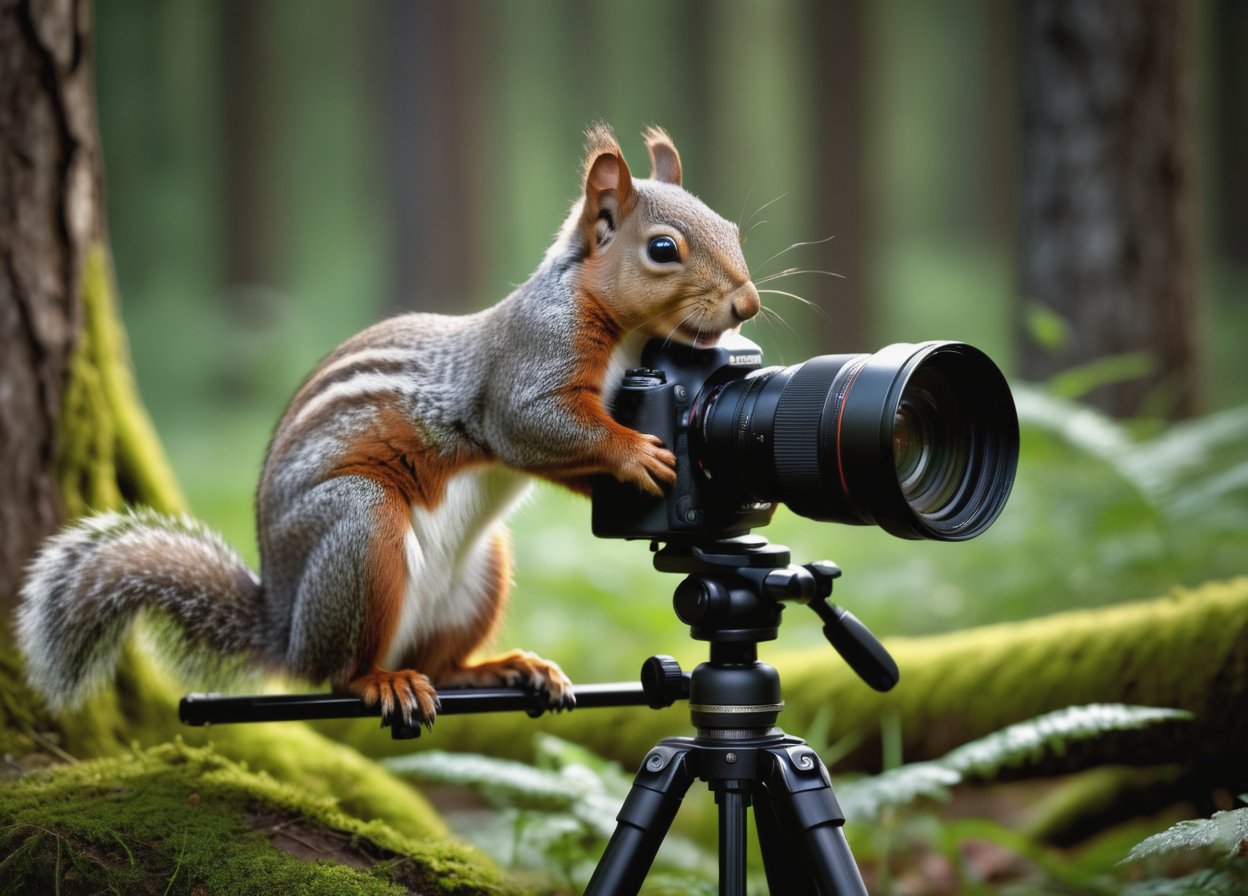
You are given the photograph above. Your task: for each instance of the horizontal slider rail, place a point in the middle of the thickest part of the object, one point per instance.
(205, 709)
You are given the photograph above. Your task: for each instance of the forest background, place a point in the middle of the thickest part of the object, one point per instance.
(281, 174)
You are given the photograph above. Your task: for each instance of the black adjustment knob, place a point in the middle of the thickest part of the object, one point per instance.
(824, 571)
(663, 681)
(790, 583)
(692, 600)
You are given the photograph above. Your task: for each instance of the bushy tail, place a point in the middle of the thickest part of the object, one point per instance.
(86, 585)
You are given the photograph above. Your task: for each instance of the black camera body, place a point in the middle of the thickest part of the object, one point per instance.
(659, 399)
(920, 439)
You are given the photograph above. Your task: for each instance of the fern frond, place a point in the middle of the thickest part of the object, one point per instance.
(1227, 831)
(1026, 743)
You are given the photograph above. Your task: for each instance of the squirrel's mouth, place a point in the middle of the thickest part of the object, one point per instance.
(699, 337)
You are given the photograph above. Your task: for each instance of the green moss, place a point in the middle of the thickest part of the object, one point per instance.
(182, 819)
(109, 451)
(329, 770)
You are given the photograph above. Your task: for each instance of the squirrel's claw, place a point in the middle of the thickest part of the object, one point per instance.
(405, 691)
(652, 468)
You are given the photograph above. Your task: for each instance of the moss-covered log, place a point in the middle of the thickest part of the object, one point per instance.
(1186, 650)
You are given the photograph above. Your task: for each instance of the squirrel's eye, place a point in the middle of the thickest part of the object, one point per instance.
(663, 250)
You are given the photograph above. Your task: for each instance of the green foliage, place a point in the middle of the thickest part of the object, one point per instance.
(1013, 749)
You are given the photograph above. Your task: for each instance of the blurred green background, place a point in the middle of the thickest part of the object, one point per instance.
(282, 173)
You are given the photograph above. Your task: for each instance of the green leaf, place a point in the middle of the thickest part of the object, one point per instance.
(1046, 327)
(1082, 379)
(1227, 831)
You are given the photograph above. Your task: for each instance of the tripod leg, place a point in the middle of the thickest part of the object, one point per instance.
(784, 858)
(798, 784)
(732, 802)
(643, 821)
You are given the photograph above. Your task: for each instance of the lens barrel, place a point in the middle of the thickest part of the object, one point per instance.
(921, 440)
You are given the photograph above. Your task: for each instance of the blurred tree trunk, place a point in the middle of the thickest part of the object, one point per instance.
(1230, 97)
(251, 255)
(1107, 194)
(837, 58)
(73, 433)
(432, 90)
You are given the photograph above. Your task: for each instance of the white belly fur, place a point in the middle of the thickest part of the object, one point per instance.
(445, 580)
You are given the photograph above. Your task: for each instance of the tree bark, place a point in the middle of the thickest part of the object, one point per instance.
(1107, 188)
(49, 220)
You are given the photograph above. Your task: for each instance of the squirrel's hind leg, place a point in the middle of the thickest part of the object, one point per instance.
(344, 539)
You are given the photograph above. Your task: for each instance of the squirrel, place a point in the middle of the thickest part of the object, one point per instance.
(382, 506)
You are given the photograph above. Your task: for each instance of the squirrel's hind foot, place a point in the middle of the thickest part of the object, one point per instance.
(406, 691)
(516, 669)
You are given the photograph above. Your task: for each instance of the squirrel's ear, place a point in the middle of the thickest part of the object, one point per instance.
(608, 185)
(664, 159)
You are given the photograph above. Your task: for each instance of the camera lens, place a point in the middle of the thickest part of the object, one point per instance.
(921, 440)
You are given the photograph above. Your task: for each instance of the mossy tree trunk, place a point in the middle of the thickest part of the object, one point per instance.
(73, 434)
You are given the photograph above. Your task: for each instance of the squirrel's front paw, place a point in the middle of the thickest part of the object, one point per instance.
(407, 691)
(650, 467)
(517, 668)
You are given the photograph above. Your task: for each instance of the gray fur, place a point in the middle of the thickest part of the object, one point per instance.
(85, 587)
(314, 566)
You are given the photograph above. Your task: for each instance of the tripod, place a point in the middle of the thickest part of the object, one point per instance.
(732, 597)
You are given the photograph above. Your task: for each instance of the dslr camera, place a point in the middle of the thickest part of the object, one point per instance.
(919, 439)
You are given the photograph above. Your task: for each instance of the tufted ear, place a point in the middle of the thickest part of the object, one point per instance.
(608, 185)
(664, 159)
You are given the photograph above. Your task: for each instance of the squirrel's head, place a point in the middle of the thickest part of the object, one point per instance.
(656, 255)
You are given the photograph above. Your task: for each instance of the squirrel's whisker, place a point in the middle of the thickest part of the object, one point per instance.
(797, 245)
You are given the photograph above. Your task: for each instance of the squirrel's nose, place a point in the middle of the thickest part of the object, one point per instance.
(745, 303)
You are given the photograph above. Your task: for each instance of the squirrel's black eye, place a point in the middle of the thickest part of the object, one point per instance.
(663, 250)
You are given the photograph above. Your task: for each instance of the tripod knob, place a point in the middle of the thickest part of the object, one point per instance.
(790, 583)
(663, 682)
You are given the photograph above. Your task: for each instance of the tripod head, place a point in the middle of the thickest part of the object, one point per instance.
(735, 589)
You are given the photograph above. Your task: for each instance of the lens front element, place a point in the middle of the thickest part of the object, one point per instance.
(930, 448)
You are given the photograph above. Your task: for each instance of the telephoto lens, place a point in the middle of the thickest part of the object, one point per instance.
(919, 439)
